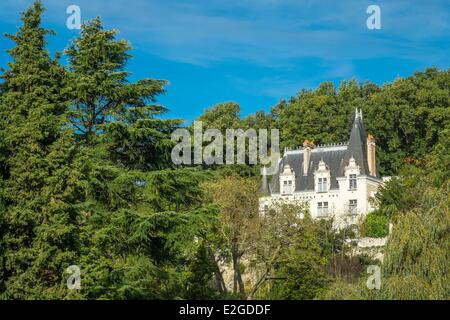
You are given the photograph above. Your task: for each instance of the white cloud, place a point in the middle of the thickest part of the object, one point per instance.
(265, 32)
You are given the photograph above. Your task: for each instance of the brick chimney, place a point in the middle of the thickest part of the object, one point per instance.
(307, 147)
(371, 155)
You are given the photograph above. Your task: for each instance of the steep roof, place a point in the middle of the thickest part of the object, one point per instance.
(336, 157)
(357, 146)
(333, 157)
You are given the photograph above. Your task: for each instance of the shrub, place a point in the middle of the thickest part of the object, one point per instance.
(376, 225)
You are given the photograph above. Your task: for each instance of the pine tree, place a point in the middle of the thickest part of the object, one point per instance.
(39, 168)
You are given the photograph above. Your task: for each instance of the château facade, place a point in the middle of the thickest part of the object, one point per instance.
(335, 180)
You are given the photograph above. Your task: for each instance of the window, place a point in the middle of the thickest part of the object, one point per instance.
(287, 187)
(322, 209)
(352, 206)
(352, 182)
(322, 187)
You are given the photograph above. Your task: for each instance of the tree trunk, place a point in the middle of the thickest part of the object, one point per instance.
(237, 283)
(220, 283)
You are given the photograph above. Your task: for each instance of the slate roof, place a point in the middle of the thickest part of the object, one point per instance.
(357, 147)
(336, 157)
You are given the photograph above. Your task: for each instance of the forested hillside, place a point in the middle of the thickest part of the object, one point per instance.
(86, 179)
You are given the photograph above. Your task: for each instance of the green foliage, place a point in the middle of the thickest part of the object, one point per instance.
(143, 143)
(237, 220)
(225, 116)
(43, 180)
(86, 179)
(200, 276)
(100, 92)
(417, 254)
(106, 108)
(406, 117)
(376, 225)
(343, 290)
(138, 233)
(415, 264)
(222, 116)
(129, 255)
(175, 189)
(300, 273)
(94, 205)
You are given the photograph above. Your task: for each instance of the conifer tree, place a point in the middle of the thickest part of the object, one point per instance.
(104, 101)
(41, 182)
(130, 216)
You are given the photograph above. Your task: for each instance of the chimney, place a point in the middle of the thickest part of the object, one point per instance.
(371, 155)
(307, 147)
(265, 191)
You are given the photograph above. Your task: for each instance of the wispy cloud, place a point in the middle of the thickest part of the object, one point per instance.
(262, 49)
(267, 32)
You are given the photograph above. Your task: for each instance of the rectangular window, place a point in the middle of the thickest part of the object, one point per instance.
(322, 209)
(352, 206)
(322, 187)
(287, 187)
(352, 181)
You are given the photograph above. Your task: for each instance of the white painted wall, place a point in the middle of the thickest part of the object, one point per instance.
(338, 199)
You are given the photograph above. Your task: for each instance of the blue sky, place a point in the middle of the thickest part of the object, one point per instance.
(256, 52)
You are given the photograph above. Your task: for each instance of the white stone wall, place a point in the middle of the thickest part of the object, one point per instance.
(338, 200)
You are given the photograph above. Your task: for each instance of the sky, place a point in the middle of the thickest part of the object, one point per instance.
(255, 52)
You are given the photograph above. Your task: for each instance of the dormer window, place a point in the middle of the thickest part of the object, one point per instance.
(287, 180)
(322, 177)
(352, 181)
(352, 171)
(322, 185)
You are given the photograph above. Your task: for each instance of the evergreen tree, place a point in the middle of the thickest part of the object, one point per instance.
(39, 167)
(104, 101)
(141, 229)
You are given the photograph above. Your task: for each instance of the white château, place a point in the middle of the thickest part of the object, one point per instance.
(335, 180)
